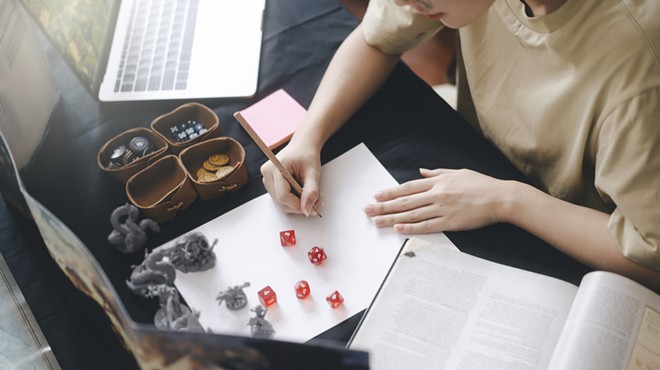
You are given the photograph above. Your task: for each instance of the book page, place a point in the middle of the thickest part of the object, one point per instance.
(442, 309)
(614, 324)
(28, 92)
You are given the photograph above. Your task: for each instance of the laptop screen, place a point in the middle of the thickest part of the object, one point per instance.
(78, 29)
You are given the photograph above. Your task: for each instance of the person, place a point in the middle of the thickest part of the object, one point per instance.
(568, 90)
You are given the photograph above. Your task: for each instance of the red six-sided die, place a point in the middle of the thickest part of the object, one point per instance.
(302, 289)
(335, 299)
(287, 238)
(316, 255)
(267, 296)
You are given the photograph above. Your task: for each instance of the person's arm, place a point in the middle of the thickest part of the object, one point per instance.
(451, 200)
(356, 71)
(580, 232)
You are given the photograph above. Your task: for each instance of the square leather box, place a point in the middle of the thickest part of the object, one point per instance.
(124, 172)
(162, 189)
(199, 162)
(184, 123)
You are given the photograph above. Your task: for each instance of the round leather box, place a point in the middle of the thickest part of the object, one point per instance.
(184, 123)
(197, 160)
(162, 189)
(127, 170)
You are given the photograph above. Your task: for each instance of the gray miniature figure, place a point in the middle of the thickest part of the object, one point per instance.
(172, 314)
(155, 270)
(259, 326)
(129, 236)
(193, 253)
(234, 297)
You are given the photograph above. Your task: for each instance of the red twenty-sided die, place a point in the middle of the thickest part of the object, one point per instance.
(267, 296)
(335, 299)
(316, 255)
(287, 238)
(302, 289)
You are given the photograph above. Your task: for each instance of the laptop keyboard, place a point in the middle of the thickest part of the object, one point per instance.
(158, 46)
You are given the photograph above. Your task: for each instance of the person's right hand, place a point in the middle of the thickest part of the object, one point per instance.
(304, 163)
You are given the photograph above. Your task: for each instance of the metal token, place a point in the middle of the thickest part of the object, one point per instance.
(117, 153)
(224, 171)
(139, 144)
(219, 159)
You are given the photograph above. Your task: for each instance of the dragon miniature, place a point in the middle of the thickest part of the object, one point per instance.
(129, 237)
(151, 273)
(172, 314)
(193, 253)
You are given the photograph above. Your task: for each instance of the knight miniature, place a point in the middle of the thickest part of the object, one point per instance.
(234, 297)
(259, 326)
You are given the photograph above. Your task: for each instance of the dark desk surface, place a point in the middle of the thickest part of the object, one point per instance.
(406, 125)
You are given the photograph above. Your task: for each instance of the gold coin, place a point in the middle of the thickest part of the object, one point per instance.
(210, 166)
(224, 171)
(200, 172)
(219, 159)
(207, 177)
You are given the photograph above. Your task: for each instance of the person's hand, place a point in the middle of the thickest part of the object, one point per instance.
(304, 163)
(443, 200)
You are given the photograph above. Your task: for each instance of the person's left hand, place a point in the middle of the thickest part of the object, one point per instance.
(443, 200)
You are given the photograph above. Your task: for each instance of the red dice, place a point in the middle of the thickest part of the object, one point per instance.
(302, 289)
(316, 255)
(267, 296)
(287, 238)
(335, 299)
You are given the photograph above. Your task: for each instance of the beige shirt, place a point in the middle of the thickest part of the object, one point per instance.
(571, 98)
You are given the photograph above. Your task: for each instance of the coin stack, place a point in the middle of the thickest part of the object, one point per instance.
(214, 168)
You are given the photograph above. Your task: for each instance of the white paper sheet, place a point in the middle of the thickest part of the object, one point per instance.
(249, 250)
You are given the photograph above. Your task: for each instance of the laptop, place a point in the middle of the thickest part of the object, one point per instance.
(136, 50)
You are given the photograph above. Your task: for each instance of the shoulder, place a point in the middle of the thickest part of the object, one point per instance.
(644, 14)
(394, 29)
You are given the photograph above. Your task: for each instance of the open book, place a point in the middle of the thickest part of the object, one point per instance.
(442, 309)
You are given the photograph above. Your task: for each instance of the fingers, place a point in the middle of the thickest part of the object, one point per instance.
(408, 188)
(281, 191)
(425, 172)
(418, 221)
(410, 216)
(310, 194)
(424, 227)
(282, 195)
(398, 205)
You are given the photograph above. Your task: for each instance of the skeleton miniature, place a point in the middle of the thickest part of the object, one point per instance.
(259, 326)
(154, 271)
(192, 253)
(234, 297)
(172, 314)
(129, 237)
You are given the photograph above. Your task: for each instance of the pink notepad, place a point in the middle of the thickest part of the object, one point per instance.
(274, 118)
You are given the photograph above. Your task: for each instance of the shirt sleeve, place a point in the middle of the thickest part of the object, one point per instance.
(628, 173)
(395, 29)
